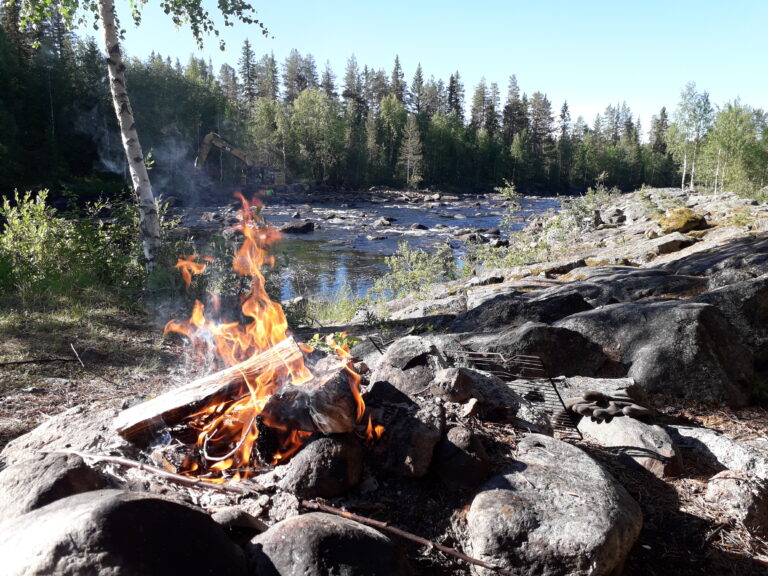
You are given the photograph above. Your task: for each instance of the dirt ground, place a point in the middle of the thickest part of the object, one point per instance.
(48, 365)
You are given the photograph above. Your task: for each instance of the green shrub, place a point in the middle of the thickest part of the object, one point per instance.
(414, 271)
(44, 256)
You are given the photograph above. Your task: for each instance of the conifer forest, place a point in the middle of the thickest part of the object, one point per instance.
(347, 125)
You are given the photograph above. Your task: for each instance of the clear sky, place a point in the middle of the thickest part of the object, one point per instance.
(589, 52)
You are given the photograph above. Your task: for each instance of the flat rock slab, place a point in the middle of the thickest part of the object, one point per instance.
(512, 310)
(319, 544)
(636, 443)
(721, 450)
(117, 533)
(556, 512)
(82, 428)
(38, 479)
(602, 285)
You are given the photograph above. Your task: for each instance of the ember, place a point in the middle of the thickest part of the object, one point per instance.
(284, 399)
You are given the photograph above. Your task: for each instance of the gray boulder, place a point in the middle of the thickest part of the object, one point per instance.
(555, 512)
(743, 497)
(117, 533)
(509, 311)
(636, 443)
(745, 305)
(683, 349)
(38, 479)
(409, 365)
(325, 468)
(319, 544)
(721, 450)
(563, 352)
(83, 428)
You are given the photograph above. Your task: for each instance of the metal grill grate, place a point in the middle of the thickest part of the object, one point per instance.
(528, 377)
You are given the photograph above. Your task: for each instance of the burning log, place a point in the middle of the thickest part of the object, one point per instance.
(173, 406)
(326, 404)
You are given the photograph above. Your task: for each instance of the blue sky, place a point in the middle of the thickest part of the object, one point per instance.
(590, 52)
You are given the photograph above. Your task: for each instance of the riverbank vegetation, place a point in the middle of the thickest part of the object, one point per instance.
(354, 129)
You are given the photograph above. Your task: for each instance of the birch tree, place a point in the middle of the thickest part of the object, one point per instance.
(73, 13)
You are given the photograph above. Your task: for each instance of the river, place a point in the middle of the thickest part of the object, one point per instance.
(347, 251)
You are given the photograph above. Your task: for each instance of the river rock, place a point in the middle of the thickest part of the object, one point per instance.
(743, 496)
(636, 443)
(325, 468)
(721, 450)
(509, 311)
(320, 544)
(683, 349)
(40, 478)
(304, 227)
(116, 532)
(563, 352)
(556, 511)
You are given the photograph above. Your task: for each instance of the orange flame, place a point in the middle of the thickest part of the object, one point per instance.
(188, 266)
(227, 430)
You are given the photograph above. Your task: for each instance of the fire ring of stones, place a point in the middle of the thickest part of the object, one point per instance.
(448, 445)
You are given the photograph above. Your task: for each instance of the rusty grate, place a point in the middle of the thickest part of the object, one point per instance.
(528, 377)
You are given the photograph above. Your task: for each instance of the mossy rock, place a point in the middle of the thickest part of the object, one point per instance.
(681, 220)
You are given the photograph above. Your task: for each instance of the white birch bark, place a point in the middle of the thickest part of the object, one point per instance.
(149, 219)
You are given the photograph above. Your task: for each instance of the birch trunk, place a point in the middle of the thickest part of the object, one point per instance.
(685, 168)
(149, 219)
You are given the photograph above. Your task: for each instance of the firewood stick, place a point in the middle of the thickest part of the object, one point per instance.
(173, 406)
(403, 534)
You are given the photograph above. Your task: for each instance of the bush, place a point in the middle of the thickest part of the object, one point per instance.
(44, 256)
(414, 271)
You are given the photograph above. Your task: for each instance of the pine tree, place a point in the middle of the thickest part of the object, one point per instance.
(455, 96)
(247, 70)
(267, 80)
(416, 101)
(397, 85)
(328, 82)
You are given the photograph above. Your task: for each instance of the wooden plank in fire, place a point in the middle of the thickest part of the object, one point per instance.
(173, 406)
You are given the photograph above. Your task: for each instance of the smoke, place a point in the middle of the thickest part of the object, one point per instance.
(95, 124)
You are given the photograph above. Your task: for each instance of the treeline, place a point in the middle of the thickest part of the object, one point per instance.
(366, 127)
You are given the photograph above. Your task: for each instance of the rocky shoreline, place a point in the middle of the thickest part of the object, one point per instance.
(658, 312)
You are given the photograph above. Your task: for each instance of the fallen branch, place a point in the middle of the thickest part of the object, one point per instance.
(177, 478)
(255, 488)
(403, 534)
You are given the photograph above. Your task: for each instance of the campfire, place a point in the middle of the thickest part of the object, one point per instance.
(272, 394)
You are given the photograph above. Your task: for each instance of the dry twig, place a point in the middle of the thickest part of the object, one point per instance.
(403, 534)
(172, 476)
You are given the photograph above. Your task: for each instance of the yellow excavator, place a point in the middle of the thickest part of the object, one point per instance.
(253, 176)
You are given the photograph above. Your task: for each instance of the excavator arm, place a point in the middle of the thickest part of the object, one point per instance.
(213, 139)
